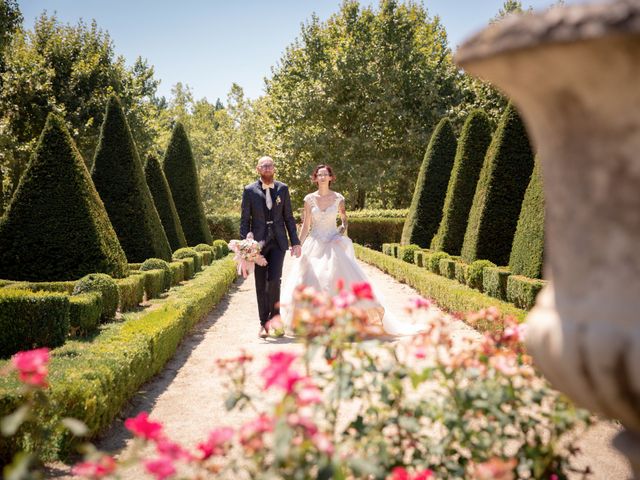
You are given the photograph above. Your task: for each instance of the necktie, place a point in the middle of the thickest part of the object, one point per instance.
(268, 195)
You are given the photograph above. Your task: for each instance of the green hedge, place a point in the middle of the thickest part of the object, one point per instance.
(93, 380)
(181, 173)
(528, 242)
(433, 261)
(177, 272)
(461, 269)
(407, 252)
(163, 200)
(498, 197)
(425, 212)
(224, 226)
(379, 213)
(447, 268)
(153, 283)
(494, 282)
(159, 264)
(387, 249)
(522, 291)
(472, 147)
(85, 310)
(420, 257)
(189, 267)
(130, 291)
(374, 231)
(220, 248)
(61, 287)
(135, 266)
(207, 252)
(448, 294)
(119, 179)
(190, 253)
(108, 288)
(32, 319)
(475, 273)
(56, 226)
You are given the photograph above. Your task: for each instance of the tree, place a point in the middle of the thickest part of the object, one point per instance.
(10, 22)
(431, 187)
(362, 92)
(56, 227)
(498, 197)
(164, 203)
(120, 181)
(472, 147)
(528, 243)
(182, 176)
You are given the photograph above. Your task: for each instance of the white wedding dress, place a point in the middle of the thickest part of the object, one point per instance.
(328, 256)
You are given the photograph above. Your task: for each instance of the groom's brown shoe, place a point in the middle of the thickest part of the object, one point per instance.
(263, 333)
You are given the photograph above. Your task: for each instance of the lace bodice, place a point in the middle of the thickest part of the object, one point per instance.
(323, 222)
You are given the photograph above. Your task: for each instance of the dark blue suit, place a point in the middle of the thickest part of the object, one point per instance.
(270, 227)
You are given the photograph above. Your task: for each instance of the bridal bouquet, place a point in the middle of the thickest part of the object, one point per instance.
(247, 254)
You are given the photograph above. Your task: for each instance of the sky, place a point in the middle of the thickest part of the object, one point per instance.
(209, 44)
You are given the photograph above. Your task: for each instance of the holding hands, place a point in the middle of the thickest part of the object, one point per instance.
(296, 251)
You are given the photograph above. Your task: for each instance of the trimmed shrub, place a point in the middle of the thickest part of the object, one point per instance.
(494, 282)
(4, 283)
(189, 267)
(224, 226)
(99, 282)
(396, 249)
(461, 269)
(177, 272)
(85, 310)
(418, 258)
(374, 231)
(130, 291)
(153, 283)
(62, 287)
(93, 380)
(119, 179)
(433, 261)
(189, 253)
(159, 264)
(135, 266)
(522, 291)
(431, 187)
(207, 252)
(499, 193)
(475, 272)
(56, 227)
(221, 248)
(182, 176)
(447, 268)
(448, 294)
(528, 243)
(407, 252)
(472, 147)
(387, 249)
(32, 320)
(161, 193)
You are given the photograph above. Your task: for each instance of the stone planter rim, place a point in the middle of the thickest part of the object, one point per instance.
(561, 24)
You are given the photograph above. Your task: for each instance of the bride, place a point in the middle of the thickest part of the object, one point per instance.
(328, 254)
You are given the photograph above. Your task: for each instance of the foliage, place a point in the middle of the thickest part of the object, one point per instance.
(374, 231)
(494, 282)
(85, 311)
(159, 264)
(63, 287)
(361, 91)
(406, 253)
(528, 242)
(32, 319)
(447, 268)
(120, 181)
(221, 248)
(475, 273)
(92, 380)
(163, 201)
(56, 227)
(472, 147)
(522, 291)
(70, 70)
(106, 286)
(379, 213)
(177, 272)
(189, 253)
(153, 283)
(432, 261)
(498, 197)
(426, 207)
(224, 226)
(448, 294)
(130, 291)
(182, 176)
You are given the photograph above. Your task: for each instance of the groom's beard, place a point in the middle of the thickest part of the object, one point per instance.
(268, 179)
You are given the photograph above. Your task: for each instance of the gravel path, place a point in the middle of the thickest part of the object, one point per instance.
(187, 396)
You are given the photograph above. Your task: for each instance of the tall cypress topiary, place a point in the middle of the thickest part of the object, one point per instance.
(499, 193)
(56, 226)
(472, 147)
(431, 187)
(528, 242)
(163, 200)
(181, 173)
(119, 179)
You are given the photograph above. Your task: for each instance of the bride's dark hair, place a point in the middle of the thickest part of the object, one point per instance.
(314, 175)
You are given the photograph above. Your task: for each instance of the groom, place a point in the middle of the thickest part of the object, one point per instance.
(266, 211)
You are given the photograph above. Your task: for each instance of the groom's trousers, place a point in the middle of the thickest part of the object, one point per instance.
(268, 280)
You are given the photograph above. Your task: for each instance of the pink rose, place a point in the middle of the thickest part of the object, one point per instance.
(362, 290)
(160, 468)
(217, 443)
(140, 426)
(98, 469)
(32, 366)
(278, 372)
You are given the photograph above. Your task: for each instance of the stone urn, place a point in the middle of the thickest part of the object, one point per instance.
(574, 74)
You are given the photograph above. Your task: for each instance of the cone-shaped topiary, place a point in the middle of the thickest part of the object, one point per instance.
(164, 203)
(431, 187)
(119, 179)
(499, 193)
(528, 242)
(180, 170)
(472, 147)
(56, 227)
